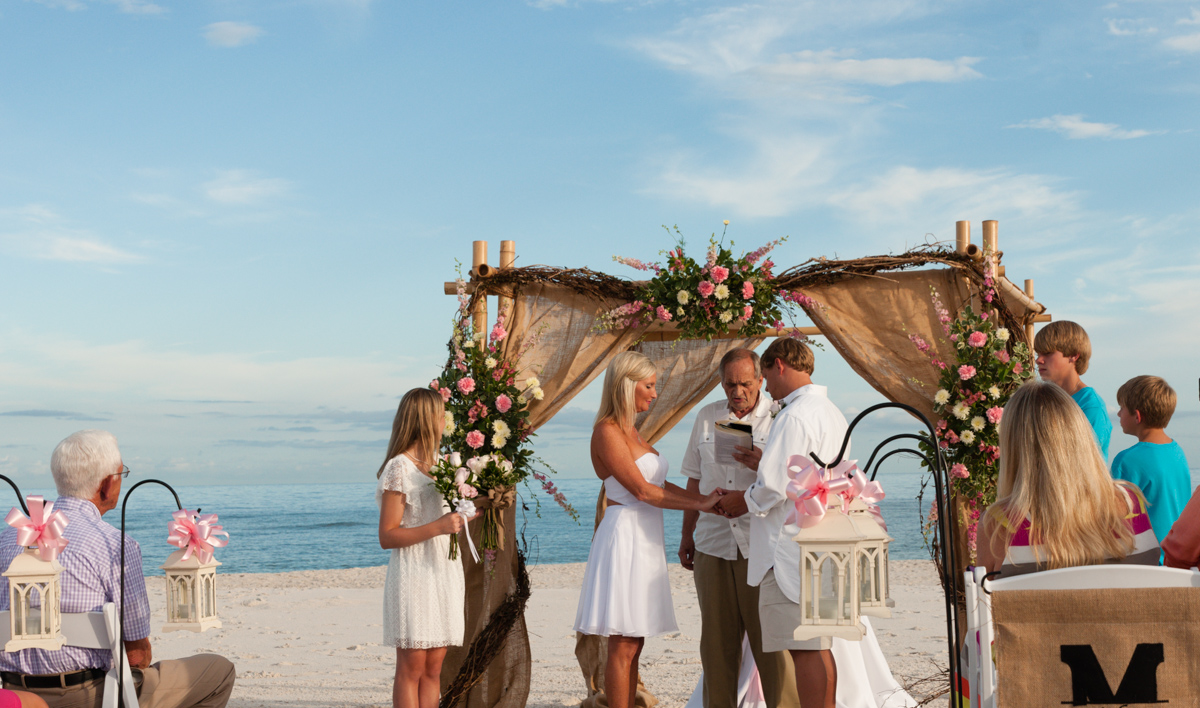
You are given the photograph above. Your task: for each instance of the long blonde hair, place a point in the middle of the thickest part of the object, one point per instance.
(419, 422)
(620, 379)
(1052, 473)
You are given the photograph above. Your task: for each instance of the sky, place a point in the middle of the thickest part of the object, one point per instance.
(225, 225)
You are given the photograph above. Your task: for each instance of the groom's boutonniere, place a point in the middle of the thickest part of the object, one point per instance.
(777, 406)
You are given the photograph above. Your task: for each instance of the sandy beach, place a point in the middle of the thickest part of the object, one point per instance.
(311, 638)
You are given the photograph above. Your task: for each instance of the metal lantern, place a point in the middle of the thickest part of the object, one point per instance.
(843, 572)
(34, 597)
(191, 592)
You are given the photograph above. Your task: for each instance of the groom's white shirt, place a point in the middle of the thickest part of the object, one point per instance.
(809, 422)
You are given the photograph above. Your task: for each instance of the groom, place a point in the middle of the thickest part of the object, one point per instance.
(808, 423)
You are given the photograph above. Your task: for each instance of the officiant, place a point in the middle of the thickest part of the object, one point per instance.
(715, 547)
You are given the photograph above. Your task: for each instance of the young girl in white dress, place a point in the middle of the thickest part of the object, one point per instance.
(423, 595)
(625, 595)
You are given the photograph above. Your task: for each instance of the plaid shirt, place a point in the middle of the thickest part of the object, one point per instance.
(91, 577)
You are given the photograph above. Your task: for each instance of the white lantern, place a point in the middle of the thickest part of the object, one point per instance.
(34, 597)
(843, 572)
(191, 593)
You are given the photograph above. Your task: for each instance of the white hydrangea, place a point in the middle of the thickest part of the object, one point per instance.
(942, 397)
(967, 436)
(979, 423)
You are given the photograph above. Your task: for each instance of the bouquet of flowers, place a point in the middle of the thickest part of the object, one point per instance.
(973, 390)
(706, 298)
(486, 436)
(456, 484)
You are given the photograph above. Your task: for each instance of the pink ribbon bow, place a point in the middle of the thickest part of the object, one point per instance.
(196, 533)
(42, 528)
(870, 492)
(809, 490)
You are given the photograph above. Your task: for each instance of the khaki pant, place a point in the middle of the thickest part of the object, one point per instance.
(780, 619)
(201, 681)
(729, 609)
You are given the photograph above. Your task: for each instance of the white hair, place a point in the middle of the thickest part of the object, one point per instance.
(82, 461)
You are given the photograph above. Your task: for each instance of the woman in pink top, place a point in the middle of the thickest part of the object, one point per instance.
(1182, 544)
(1057, 506)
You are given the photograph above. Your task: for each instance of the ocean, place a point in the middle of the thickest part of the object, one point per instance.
(277, 528)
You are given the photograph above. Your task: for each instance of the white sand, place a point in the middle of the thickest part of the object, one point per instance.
(311, 638)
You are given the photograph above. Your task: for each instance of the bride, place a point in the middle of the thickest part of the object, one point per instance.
(625, 595)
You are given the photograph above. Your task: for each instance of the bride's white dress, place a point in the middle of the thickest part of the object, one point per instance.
(625, 588)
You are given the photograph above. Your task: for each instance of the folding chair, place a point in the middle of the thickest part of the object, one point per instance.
(94, 630)
(980, 665)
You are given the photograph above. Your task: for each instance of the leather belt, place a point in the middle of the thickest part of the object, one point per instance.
(51, 680)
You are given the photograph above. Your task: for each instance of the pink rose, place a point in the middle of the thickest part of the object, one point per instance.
(720, 273)
(966, 372)
(706, 288)
(663, 314)
(995, 413)
(503, 403)
(747, 290)
(446, 393)
(466, 385)
(959, 470)
(746, 312)
(434, 384)
(475, 439)
(977, 339)
(466, 491)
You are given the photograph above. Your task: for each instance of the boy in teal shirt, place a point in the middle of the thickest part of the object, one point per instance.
(1156, 463)
(1063, 351)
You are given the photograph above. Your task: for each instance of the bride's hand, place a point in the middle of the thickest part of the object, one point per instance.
(710, 502)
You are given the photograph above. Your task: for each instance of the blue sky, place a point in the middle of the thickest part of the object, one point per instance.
(224, 226)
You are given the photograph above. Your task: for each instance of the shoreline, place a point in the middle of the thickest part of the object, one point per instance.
(312, 637)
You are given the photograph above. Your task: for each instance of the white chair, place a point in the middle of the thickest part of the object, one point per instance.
(980, 669)
(94, 630)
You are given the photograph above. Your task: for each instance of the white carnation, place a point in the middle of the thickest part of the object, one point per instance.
(960, 411)
(978, 423)
(501, 428)
(942, 397)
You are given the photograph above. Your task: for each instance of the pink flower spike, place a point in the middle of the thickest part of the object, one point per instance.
(966, 372)
(475, 439)
(466, 385)
(503, 403)
(706, 288)
(977, 339)
(720, 273)
(747, 290)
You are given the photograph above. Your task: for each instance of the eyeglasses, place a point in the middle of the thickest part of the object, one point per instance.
(124, 472)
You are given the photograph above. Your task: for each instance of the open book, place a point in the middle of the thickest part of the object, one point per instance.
(729, 435)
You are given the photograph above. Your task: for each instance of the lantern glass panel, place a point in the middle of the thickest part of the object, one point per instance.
(867, 580)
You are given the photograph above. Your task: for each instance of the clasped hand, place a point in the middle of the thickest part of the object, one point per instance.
(729, 503)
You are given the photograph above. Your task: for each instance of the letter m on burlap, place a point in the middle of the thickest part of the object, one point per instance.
(1089, 685)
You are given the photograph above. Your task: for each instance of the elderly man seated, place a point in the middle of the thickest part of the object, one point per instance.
(88, 471)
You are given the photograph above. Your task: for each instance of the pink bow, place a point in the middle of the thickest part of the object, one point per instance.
(196, 533)
(42, 528)
(870, 492)
(809, 489)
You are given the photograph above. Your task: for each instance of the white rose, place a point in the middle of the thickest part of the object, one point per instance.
(978, 423)
(1002, 334)
(942, 397)
(682, 296)
(967, 436)
(455, 458)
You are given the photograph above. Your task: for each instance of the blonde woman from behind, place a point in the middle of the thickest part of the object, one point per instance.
(625, 595)
(424, 591)
(1057, 506)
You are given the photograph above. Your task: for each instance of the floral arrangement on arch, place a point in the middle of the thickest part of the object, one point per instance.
(707, 298)
(988, 368)
(486, 435)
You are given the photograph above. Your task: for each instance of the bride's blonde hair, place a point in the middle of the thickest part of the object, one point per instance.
(620, 379)
(1052, 473)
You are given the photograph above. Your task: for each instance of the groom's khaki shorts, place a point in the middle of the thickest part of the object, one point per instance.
(780, 617)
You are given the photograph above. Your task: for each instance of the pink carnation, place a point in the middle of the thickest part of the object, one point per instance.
(498, 333)
(663, 314)
(434, 384)
(475, 439)
(466, 385)
(977, 339)
(995, 413)
(446, 393)
(959, 470)
(1003, 355)
(1017, 368)
(747, 290)
(706, 288)
(503, 403)
(966, 372)
(720, 273)
(746, 312)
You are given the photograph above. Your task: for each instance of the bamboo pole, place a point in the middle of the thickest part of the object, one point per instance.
(508, 256)
(962, 236)
(1029, 326)
(479, 267)
(991, 237)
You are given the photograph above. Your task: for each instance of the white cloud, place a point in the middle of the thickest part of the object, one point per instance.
(1076, 128)
(133, 7)
(244, 187)
(809, 66)
(1189, 43)
(1193, 20)
(1128, 27)
(36, 231)
(231, 34)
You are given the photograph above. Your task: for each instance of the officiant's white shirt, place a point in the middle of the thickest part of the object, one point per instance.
(716, 535)
(809, 422)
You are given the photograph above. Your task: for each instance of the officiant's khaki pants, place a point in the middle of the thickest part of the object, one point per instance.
(729, 609)
(200, 681)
